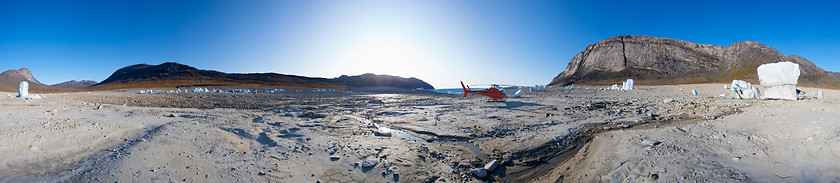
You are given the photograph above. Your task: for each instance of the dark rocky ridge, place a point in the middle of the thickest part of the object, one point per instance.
(654, 60)
(174, 74)
(373, 80)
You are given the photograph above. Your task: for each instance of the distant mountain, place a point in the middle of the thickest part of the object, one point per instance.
(373, 80)
(75, 84)
(10, 80)
(172, 74)
(654, 60)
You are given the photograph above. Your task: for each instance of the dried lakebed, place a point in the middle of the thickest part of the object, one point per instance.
(289, 142)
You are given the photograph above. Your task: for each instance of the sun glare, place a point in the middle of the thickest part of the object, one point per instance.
(385, 53)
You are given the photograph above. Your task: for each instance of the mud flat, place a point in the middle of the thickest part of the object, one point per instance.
(556, 135)
(770, 141)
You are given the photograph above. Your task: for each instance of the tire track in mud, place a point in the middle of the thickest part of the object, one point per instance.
(108, 156)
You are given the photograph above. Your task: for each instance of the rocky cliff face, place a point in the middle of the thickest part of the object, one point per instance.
(654, 60)
(10, 80)
(19, 75)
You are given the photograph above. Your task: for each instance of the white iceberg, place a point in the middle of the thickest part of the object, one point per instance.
(627, 85)
(23, 91)
(742, 90)
(780, 80)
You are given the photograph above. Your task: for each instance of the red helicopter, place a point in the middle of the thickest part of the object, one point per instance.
(495, 92)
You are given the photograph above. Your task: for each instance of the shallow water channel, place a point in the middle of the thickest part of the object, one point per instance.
(410, 137)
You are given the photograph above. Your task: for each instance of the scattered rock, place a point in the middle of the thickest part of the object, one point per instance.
(649, 142)
(370, 162)
(508, 160)
(667, 101)
(335, 157)
(479, 172)
(490, 167)
(171, 115)
(382, 133)
(394, 170)
(430, 139)
(312, 115)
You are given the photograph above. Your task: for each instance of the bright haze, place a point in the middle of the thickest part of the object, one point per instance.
(439, 41)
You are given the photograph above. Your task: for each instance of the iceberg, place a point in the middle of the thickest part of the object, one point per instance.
(742, 90)
(23, 91)
(627, 85)
(780, 80)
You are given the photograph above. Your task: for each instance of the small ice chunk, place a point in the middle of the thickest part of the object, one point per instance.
(615, 87)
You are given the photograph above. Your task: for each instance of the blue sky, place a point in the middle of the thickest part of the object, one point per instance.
(439, 41)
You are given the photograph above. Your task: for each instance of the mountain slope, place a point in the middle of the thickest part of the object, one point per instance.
(10, 81)
(75, 84)
(653, 60)
(172, 74)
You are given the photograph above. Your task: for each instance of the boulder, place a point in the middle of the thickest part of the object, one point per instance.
(780, 80)
(382, 133)
(479, 172)
(492, 165)
(370, 162)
